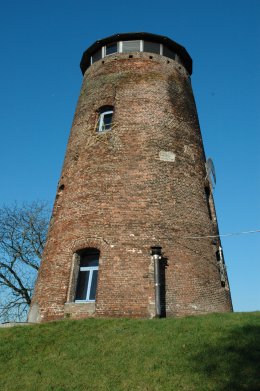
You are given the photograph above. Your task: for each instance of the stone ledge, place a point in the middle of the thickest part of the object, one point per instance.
(75, 310)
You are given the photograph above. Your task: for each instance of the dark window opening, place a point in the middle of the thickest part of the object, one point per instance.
(221, 266)
(207, 191)
(151, 47)
(87, 277)
(168, 53)
(97, 56)
(111, 48)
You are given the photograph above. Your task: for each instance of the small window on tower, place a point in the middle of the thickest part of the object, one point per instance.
(105, 118)
(111, 48)
(168, 53)
(151, 47)
(207, 191)
(96, 56)
(131, 46)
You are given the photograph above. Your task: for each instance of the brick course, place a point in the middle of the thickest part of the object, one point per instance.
(122, 191)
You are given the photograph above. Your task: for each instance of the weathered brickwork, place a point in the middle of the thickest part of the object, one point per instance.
(122, 191)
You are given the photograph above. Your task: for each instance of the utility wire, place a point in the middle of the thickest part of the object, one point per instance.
(223, 235)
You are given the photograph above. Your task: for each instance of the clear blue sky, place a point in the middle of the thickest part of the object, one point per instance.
(41, 46)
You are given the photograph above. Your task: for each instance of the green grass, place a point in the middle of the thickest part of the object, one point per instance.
(212, 352)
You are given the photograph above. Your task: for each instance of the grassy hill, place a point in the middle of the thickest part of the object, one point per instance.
(212, 352)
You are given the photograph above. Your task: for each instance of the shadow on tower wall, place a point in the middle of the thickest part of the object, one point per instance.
(162, 268)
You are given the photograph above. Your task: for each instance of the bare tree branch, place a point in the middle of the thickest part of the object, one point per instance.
(23, 232)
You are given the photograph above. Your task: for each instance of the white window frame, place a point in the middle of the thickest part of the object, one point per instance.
(90, 269)
(120, 47)
(161, 49)
(101, 121)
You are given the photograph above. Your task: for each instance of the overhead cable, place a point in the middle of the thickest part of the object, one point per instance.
(223, 235)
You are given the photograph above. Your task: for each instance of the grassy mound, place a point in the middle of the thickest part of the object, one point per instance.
(212, 352)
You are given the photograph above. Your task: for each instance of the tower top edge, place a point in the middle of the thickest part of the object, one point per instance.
(169, 43)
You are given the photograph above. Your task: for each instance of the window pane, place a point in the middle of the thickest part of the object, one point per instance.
(168, 53)
(107, 121)
(111, 48)
(89, 260)
(97, 56)
(131, 46)
(82, 285)
(93, 288)
(152, 47)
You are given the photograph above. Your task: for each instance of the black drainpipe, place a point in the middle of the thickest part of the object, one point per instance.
(156, 252)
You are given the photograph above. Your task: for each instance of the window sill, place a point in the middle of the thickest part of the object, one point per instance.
(79, 309)
(103, 131)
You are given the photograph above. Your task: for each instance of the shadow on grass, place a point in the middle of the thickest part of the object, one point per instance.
(231, 362)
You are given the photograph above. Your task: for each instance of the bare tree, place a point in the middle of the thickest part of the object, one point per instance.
(23, 233)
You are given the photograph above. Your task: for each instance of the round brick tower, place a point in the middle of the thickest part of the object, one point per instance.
(134, 195)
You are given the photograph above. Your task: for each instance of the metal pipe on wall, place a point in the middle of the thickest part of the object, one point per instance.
(156, 252)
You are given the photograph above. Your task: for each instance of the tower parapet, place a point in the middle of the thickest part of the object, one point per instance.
(136, 42)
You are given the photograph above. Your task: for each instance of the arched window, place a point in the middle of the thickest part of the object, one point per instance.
(87, 277)
(105, 118)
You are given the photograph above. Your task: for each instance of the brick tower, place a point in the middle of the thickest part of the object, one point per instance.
(133, 194)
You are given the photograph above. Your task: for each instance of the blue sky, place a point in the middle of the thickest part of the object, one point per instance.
(41, 46)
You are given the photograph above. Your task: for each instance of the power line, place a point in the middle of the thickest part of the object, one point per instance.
(223, 235)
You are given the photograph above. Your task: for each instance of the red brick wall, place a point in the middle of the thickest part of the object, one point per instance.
(125, 190)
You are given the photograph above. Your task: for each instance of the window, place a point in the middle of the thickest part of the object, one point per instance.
(105, 118)
(151, 47)
(97, 56)
(131, 46)
(87, 277)
(207, 192)
(168, 53)
(221, 265)
(111, 48)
